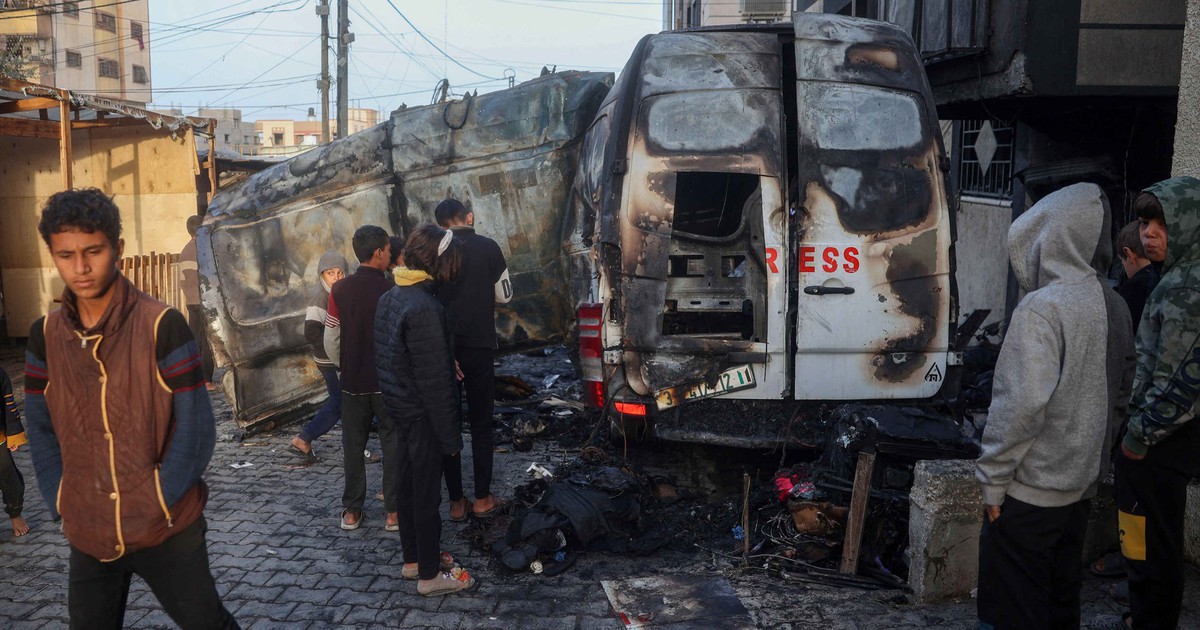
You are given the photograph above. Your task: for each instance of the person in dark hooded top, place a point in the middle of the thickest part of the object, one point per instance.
(1159, 451)
(1052, 407)
(330, 268)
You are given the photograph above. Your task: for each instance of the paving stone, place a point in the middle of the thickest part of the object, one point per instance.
(437, 619)
(254, 609)
(600, 623)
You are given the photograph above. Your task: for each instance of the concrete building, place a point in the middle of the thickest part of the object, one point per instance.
(679, 14)
(233, 133)
(286, 137)
(94, 46)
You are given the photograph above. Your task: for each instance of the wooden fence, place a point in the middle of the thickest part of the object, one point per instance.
(156, 274)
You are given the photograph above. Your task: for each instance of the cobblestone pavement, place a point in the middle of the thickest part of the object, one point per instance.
(280, 561)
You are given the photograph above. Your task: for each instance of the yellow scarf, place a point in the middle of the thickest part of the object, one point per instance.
(406, 277)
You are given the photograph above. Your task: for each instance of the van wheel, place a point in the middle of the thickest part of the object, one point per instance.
(624, 430)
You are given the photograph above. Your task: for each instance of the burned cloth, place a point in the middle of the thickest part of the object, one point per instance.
(592, 518)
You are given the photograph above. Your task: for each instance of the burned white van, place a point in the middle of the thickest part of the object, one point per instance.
(762, 218)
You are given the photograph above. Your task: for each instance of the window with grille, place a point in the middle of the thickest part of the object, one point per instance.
(109, 68)
(106, 21)
(139, 75)
(137, 35)
(71, 9)
(985, 159)
(74, 59)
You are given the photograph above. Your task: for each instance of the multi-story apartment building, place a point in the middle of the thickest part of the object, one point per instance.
(679, 14)
(232, 132)
(97, 47)
(284, 137)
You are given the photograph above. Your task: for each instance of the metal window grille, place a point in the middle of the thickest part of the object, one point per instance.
(74, 59)
(139, 75)
(106, 21)
(109, 68)
(71, 9)
(985, 159)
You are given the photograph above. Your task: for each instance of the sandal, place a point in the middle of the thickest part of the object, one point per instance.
(351, 526)
(462, 518)
(446, 563)
(391, 527)
(498, 504)
(1109, 565)
(308, 457)
(446, 583)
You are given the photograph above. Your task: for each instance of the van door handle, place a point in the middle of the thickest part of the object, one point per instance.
(820, 290)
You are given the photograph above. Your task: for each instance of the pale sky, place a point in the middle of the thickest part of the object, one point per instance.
(263, 56)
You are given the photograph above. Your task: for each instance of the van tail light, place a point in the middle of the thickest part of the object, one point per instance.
(590, 318)
(630, 409)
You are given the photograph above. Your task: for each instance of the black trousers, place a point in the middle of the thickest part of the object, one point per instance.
(1030, 567)
(12, 484)
(357, 411)
(479, 384)
(1151, 501)
(418, 467)
(176, 571)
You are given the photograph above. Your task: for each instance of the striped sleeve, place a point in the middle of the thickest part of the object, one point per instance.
(194, 433)
(333, 333)
(43, 441)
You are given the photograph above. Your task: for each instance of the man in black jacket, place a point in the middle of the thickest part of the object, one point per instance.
(471, 302)
(350, 341)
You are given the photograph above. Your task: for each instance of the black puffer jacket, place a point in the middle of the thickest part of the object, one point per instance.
(415, 362)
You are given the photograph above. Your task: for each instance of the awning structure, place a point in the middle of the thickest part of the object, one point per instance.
(39, 111)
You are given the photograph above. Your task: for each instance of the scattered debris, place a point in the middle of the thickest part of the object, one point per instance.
(240, 465)
(691, 601)
(510, 387)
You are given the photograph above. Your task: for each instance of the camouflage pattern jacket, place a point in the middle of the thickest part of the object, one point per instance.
(1166, 386)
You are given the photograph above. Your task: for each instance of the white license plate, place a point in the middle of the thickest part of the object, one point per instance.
(731, 380)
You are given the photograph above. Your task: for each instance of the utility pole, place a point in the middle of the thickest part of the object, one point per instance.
(343, 61)
(323, 82)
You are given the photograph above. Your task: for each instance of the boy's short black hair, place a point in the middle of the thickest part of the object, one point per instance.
(1147, 206)
(367, 239)
(449, 210)
(86, 209)
(1128, 237)
(397, 248)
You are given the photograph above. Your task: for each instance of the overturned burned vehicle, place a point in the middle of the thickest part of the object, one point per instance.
(752, 222)
(510, 155)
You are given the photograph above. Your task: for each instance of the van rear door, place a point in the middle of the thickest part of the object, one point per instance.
(873, 238)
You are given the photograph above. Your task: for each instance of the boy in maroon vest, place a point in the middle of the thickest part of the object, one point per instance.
(120, 427)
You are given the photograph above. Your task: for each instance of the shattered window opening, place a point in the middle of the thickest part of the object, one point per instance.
(711, 206)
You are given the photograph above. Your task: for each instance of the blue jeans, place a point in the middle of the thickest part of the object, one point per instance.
(329, 413)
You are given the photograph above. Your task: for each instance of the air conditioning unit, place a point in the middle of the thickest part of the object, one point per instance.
(762, 8)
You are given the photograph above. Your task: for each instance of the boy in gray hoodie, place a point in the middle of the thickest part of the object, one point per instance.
(330, 268)
(1048, 422)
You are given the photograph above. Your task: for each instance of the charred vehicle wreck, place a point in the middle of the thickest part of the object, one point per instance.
(745, 236)
(510, 155)
(765, 211)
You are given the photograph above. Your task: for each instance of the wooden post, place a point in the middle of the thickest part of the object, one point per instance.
(212, 159)
(745, 519)
(858, 511)
(64, 138)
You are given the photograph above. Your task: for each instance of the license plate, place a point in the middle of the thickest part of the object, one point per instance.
(731, 380)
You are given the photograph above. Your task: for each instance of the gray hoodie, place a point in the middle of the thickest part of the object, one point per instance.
(1051, 401)
(314, 315)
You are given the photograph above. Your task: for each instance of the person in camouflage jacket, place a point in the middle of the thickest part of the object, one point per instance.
(1160, 446)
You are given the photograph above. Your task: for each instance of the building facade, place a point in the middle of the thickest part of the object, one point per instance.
(285, 137)
(94, 46)
(679, 14)
(232, 132)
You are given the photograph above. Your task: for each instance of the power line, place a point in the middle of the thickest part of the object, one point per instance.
(435, 46)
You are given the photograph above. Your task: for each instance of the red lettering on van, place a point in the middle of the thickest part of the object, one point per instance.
(830, 257)
(851, 256)
(808, 255)
(772, 255)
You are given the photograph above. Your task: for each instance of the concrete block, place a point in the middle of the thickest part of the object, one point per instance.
(1191, 526)
(944, 518)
